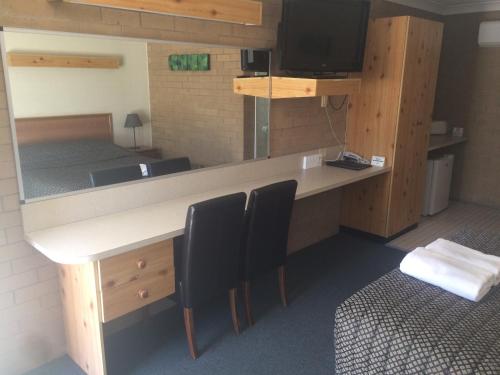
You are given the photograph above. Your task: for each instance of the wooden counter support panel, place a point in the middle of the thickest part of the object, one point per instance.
(135, 279)
(248, 12)
(40, 60)
(288, 87)
(391, 117)
(371, 196)
(314, 219)
(80, 297)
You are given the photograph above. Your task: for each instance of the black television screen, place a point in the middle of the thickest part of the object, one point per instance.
(323, 35)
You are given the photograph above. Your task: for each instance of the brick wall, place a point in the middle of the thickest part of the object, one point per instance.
(31, 327)
(41, 14)
(31, 330)
(196, 114)
(468, 96)
(302, 124)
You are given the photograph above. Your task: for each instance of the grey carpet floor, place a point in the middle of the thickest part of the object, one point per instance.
(294, 340)
(458, 216)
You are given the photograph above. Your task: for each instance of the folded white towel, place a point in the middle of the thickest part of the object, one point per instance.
(464, 280)
(476, 258)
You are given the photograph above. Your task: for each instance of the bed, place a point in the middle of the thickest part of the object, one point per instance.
(57, 153)
(400, 325)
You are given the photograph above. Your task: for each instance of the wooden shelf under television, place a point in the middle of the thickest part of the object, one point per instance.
(291, 87)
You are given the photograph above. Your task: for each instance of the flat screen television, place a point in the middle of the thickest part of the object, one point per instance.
(323, 36)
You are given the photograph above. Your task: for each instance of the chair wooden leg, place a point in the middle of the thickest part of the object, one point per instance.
(234, 310)
(248, 303)
(282, 282)
(189, 325)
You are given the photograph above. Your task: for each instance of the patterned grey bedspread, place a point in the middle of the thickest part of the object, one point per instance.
(61, 167)
(400, 325)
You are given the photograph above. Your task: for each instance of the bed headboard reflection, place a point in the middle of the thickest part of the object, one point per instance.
(64, 128)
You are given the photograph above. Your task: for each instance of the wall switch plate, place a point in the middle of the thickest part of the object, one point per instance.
(312, 161)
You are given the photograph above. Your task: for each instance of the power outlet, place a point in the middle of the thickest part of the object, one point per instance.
(312, 161)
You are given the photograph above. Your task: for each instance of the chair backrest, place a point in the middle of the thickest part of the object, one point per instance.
(115, 175)
(168, 166)
(211, 248)
(267, 222)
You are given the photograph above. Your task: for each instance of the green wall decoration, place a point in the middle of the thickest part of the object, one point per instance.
(194, 63)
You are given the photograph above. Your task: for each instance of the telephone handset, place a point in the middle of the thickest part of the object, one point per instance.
(351, 156)
(349, 160)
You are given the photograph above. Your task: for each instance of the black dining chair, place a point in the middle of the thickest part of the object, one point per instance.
(168, 166)
(210, 256)
(111, 176)
(265, 238)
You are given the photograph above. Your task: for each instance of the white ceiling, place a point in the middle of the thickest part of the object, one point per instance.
(452, 6)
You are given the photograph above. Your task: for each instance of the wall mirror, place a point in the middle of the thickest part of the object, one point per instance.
(91, 111)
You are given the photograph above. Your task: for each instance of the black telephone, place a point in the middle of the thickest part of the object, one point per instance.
(349, 160)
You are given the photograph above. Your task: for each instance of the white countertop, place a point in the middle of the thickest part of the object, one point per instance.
(105, 236)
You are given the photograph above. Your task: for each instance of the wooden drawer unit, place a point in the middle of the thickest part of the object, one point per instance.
(135, 279)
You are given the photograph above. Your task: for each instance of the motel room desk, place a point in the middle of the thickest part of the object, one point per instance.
(116, 263)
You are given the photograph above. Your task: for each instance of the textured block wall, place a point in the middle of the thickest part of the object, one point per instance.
(468, 96)
(31, 330)
(31, 327)
(196, 114)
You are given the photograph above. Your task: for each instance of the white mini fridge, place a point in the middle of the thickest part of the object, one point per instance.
(438, 184)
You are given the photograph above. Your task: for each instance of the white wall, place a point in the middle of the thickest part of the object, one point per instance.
(72, 91)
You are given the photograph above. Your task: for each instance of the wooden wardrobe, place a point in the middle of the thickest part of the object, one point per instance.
(391, 117)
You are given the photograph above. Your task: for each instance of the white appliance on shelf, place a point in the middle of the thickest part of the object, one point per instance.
(439, 127)
(489, 34)
(438, 184)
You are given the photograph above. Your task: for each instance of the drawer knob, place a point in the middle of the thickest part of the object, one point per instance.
(143, 293)
(141, 264)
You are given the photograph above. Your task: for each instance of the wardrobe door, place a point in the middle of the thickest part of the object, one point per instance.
(415, 116)
(372, 122)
